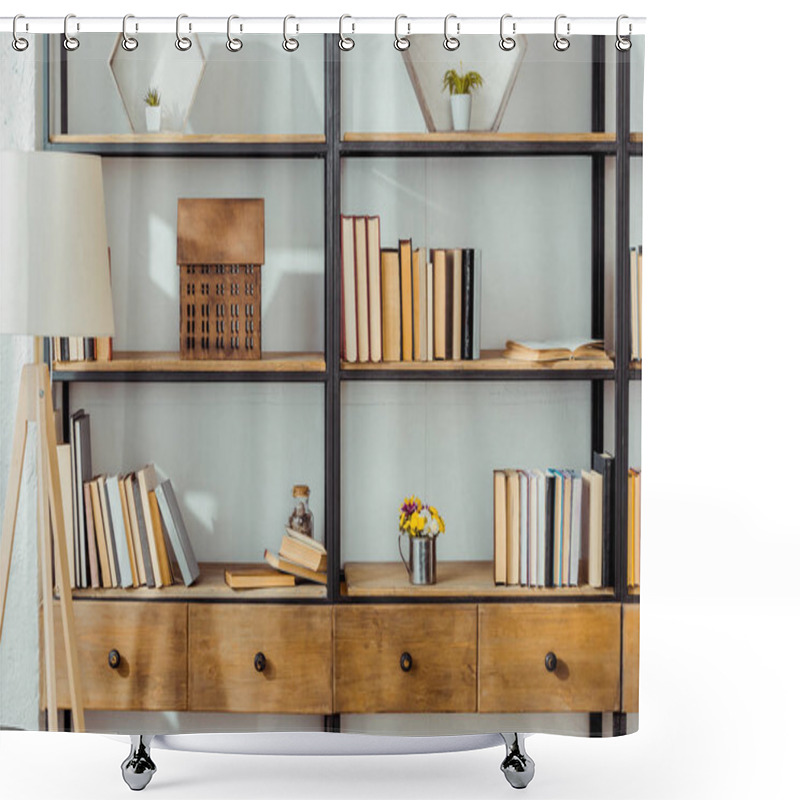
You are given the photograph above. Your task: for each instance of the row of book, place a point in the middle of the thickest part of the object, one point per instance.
(79, 348)
(122, 530)
(634, 526)
(636, 303)
(554, 527)
(398, 305)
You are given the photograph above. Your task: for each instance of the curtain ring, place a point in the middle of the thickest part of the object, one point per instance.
(507, 42)
(129, 43)
(401, 42)
(561, 43)
(18, 43)
(234, 45)
(183, 43)
(289, 44)
(623, 42)
(451, 42)
(70, 42)
(345, 42)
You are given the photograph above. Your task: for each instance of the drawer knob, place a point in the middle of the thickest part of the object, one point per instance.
(406, 662)
(114, 659)
(550, 662)
(260, 662)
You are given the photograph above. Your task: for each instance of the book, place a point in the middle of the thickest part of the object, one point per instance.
(448, 304)
(406, 301)
(147, 480)
(476, 306)
(604, 464)
(499, 526)
(133, 526)
(522, 479)
(634, 310)
(637, 567)
(390, 285)
(296, 551)
(547, 351)
(81, 472)
(631, 526)
(64, 455)
(95, 580)
(429, 311)
(108, 529)
(558, 526)
(125, 573)
(439, 304)
(549, 528)
(541, 525)
(512, 528)
(467, 303)
(126, 519)
(533, 514)
(282, 565)
(566, 543)
(308, 541)
(639, 305)
(103, 557)
(593, 526)
(362, 288)
(416, 302)
(257, 578)
(177, 533)
(458, 301)
(375, 295)
(349, 327)
(164, 566)
(576, 529)
(144, 542)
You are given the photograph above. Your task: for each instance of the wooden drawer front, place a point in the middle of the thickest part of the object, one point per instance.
(442, 643)
(295, 641)
(514, 641)
(630, 658)
(151, 641)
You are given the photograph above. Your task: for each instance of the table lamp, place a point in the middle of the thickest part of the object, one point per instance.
(54, 281)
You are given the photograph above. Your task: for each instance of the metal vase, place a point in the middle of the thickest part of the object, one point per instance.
(421, 564)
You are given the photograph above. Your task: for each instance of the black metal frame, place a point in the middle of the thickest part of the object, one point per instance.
(333, 150)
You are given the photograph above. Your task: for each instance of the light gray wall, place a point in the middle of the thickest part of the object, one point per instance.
(19, 650)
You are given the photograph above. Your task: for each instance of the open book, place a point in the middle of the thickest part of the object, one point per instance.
(554, 351)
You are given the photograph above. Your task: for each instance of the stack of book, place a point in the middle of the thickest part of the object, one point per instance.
(636, 303)
(300, 556)
(554, 527)
(399, 306)
(122, 530)
(79, 348)
(634, 526)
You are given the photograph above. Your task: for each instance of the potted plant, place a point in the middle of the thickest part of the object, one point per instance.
(461, 85)
(422, 524)
(152, 110)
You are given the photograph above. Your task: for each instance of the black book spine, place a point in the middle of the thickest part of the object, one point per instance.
(64, 348)
(89, 348)
(604, 464)
(467, 300)
(549, 531)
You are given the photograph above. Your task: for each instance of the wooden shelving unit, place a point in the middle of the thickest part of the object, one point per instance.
(186, 138)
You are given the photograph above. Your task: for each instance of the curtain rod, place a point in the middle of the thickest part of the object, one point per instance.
(457, 26)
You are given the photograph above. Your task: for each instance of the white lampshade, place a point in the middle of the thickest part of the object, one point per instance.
(54, 266)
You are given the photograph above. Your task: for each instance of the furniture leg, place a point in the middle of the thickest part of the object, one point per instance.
(138, 768)
(517, 766)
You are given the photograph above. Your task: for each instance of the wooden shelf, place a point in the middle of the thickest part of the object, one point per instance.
(210, 585)
(186, 138)
(477, 136)
(462, 579)
(154, 362)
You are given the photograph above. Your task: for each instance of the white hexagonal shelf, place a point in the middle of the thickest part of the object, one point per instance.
(157, 63)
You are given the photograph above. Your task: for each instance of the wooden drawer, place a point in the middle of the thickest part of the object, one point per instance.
(151, 641)
(442, 643)
(295, 640)
(630, 658)
(514, 641)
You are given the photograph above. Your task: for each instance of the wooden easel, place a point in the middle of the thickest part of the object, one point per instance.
(36, 405)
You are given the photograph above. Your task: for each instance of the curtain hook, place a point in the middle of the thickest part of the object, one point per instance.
(451, 42)
(623, 42)
(234, 45)
(345, 42)
(507, 42)
(401, 42)
(19, 43)
(289, 44)
(129, 43)
(70, 42)
(183, 43)
(561, 43)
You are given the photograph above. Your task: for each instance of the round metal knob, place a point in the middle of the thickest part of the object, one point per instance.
(260, 662)
(550, 662)
(114, 659)
(405, 662)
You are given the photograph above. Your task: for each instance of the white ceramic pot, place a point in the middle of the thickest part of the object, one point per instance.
(152, 118)
(461, 107)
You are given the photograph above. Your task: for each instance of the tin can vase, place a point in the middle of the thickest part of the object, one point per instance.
(421, 563)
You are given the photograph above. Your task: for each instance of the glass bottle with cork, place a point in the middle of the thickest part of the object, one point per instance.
(301, 519)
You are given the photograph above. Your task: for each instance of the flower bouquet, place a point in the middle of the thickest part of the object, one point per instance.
(422, 524)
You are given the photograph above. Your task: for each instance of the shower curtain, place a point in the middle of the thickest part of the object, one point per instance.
(363, 453)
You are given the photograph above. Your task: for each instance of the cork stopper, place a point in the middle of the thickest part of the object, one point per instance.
(299, 490)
